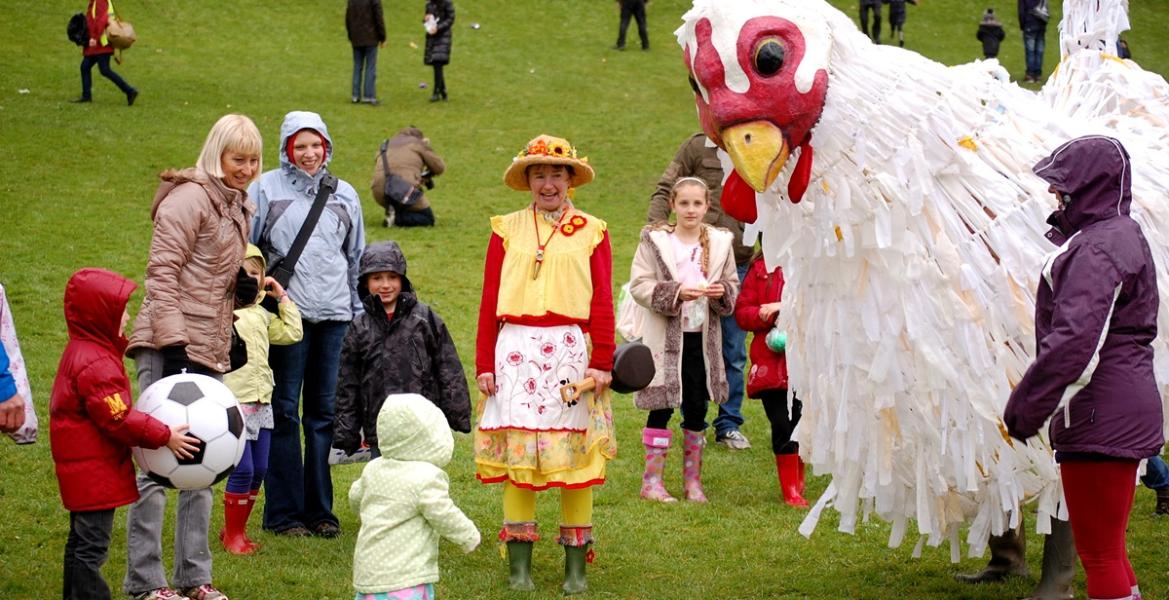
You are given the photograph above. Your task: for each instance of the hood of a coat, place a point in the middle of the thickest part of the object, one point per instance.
(94, 302)
(296, 121)
(412, 428)
(215, 187)
(1095, 171)
(379, 257)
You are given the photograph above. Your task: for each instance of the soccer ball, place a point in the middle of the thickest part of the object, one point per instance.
(215, 418)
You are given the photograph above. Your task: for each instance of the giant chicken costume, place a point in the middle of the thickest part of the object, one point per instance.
(897, 195)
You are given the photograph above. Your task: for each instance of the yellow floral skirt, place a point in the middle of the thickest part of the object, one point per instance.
(526, 435)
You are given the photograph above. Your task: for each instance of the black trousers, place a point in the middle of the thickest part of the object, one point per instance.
(782, 424)
(875, 34)
(439, 80)
(637, 11)
(86, 550)
(695, 398)
(103, 66)
(407, 218)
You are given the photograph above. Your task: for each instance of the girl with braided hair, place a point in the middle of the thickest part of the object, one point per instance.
(685, 275)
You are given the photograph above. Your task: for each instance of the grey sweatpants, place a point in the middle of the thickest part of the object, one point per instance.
(144, 568)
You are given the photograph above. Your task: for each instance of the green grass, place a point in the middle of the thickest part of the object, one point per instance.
(76, 182)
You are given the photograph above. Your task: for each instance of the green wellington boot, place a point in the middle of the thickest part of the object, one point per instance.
(519, 561)
(575, 558)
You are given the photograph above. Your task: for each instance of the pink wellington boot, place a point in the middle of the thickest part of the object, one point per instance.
(657, 445)
(693, 443)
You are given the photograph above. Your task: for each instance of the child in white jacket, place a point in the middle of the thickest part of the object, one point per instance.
(404, 503)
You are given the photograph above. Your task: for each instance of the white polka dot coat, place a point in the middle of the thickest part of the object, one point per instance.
(403, 499)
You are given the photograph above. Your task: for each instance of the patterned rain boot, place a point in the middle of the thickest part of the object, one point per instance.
(791, 479)
(657, 445)
(693, 442)
(235, 510)
(519, 538)
(576, 541)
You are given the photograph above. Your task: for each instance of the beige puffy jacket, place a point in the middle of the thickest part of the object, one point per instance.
(201, 229)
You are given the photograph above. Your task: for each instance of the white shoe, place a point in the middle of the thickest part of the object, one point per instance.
(160, 594)
(734, 439)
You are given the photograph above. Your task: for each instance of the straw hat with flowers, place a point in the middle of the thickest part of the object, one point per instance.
(547, 150)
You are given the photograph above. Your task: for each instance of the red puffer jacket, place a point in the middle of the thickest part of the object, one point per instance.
(768, 368)
(91, 422)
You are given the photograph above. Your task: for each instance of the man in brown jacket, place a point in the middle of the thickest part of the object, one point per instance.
(407, 156)
(698, 158)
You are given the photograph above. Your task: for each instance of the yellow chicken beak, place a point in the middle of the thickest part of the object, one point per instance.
(758, 151)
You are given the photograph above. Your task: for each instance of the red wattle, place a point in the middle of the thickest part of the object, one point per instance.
(738, 199)
(798, 184)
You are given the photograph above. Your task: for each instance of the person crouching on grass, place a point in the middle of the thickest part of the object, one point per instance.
(92, 426)
(397, 345)
(685, 275)
(272, 318)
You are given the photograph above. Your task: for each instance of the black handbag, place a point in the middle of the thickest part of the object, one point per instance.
(398, 192)
(282, 268)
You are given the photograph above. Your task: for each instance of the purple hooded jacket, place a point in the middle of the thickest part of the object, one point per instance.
(1095, 315)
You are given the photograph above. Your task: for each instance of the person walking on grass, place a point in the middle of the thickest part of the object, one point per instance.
(271, 318)
(685, 276)
(367, 33)
(632, 9)
(438, 22)
(93, 424)
(98, 51)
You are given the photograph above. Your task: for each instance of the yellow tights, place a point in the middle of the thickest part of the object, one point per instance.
(576, 506)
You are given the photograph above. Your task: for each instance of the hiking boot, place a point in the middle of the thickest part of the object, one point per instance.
(733, 439)
(204, 592)
(326, 529)
(1162, 502)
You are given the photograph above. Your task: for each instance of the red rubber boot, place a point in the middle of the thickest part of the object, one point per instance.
(790, 469)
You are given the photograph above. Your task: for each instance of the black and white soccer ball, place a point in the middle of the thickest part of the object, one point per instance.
(215, 419)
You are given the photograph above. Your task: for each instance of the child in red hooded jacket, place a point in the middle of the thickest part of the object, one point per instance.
(757, 309)
(92, 426)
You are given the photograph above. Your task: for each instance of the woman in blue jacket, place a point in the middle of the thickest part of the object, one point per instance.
(324, 287)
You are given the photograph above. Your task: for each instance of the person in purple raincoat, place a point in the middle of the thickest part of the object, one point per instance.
(1095, 320)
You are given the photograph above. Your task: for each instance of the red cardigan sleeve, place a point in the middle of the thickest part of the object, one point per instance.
(99, 9)
(488, 329)
(751, 297)
(602, 324)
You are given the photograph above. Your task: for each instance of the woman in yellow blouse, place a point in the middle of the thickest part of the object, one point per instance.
(547, 283)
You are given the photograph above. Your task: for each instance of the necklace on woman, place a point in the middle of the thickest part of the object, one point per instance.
(540, 246)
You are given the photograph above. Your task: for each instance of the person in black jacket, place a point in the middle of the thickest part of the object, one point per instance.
(1033, 16)
(440, 18)
(990, 33)
(367, 32)
(398, 345)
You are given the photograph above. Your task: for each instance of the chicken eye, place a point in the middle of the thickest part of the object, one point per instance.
(769, 57)
(694, 85)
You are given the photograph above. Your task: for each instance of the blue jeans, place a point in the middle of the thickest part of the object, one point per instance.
(367, 56)
(301, 494)
(1033, 43)
(1156, 474)
(730, 413)
(103, 66)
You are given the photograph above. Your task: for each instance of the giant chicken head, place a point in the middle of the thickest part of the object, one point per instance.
(759, 81)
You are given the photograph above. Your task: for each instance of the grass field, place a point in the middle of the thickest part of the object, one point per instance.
(76, 183)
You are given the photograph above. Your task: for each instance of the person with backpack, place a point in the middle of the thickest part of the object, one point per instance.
(408, 163)
(97, 51)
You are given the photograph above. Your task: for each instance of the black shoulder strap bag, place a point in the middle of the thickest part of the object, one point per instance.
(398, 192)
(282, 269)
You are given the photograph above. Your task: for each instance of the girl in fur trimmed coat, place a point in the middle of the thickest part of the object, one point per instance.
(685, 275)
